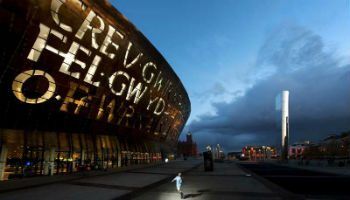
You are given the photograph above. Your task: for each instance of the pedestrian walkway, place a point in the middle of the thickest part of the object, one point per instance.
(29, 182)
(118, 185)
(227, 181)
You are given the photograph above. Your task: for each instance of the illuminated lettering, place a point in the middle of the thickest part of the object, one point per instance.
(144, 71)
(128, 113)
(158, 81)
(127, 55)
(17, 86)
(111, 107)
(160, 107)
(108, 41)
(151, 101)
(55, 7)
(87, 25)
(112, 79)
(92, 70)
(167, 88)
(80, 103)
(100, 109)
(69, 58)
(40, 42)
(135, 91)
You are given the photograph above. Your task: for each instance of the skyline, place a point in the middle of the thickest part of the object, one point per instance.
(231, 57)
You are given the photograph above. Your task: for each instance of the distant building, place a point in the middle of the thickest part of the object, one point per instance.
(297, 150)
(234, 155)
(331, 147)
(219, 152)
(336, 145)
(187, 148)
(259, 152)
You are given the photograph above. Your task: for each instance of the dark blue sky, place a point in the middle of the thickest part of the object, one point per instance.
(234, 56)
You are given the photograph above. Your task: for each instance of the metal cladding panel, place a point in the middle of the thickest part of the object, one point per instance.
(81, 66)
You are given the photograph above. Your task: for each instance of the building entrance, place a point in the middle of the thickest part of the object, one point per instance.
(25, 161)
(63, 162)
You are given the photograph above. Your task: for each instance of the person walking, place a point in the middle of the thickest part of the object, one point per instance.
(178, 180)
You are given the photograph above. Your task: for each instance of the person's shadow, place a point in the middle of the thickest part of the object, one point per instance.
(192, 195)
(196, 194)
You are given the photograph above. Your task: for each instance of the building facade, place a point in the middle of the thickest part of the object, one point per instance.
(187, 148)
(82, 88)
(259, 152)
(297, 150)
(219, 153)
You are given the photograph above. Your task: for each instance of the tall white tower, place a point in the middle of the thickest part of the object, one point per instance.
(285, 121)
(282, 119)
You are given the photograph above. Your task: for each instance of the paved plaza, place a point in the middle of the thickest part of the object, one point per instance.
(227, 181)
(112, 185)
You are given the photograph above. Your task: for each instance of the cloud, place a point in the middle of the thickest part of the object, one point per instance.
(292, 58)
(216, 91)
(290, 48)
